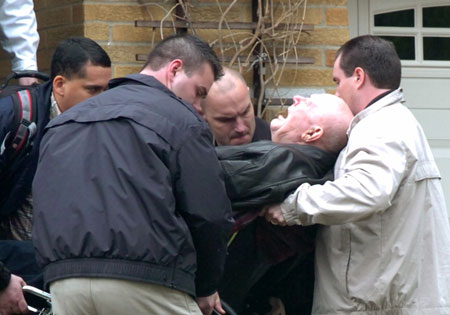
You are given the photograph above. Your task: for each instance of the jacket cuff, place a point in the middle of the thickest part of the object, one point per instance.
(205, 293)
(5, 277)
(205, 288)
(289, 213)
(18, 65)
(292, 214)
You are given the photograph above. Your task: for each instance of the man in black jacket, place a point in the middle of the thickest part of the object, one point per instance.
(279, 261)
(127, 219)
(80, 68)
(229, 112)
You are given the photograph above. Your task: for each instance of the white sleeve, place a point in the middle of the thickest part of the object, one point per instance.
(19, 36)
(371, 178)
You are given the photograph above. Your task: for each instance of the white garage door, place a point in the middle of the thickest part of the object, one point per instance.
(420, 30)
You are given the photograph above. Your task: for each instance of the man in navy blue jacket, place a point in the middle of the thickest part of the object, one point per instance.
(124, 210)
(80, 68)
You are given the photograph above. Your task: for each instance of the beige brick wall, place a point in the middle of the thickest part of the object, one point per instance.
(111, 24)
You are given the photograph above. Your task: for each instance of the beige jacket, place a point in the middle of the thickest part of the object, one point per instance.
(385, 244)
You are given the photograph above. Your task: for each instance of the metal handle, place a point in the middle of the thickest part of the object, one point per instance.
(25, 74)
(43, 295)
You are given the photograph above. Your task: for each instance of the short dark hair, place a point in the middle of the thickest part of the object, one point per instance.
(73, 54)
(193, 51)
(376, 56)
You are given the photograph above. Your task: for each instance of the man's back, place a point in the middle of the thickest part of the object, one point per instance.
(136, 157)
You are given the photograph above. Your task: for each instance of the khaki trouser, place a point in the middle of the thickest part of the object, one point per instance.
(98, 296)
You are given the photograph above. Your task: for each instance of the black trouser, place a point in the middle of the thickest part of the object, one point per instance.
(19, 258)
(244, 266)
(250, 278)
(292, 281)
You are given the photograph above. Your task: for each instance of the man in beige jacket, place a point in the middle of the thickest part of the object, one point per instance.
(384, 247)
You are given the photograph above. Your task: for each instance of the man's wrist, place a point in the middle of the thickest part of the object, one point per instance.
(288, 213)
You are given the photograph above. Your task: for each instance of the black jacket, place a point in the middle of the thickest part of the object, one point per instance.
(262, 130)
(128, 186)
(18, 187)
(265, 172)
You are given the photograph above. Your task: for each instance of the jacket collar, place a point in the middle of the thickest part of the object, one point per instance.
(137, 78)
(379, 97)
(80, 112)
(151, 81)
(394, 97)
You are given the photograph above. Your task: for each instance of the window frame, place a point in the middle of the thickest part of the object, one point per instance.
(363, 22)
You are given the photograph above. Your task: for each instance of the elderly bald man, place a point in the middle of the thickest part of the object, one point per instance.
(266, 260)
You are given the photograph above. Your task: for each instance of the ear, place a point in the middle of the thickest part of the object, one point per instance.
(199, 109)
(174, 66)
(314, 133)
(359, 76)
(298, 99)
(59, 83)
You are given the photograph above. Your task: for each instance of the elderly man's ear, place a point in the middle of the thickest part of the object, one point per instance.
(312, 134)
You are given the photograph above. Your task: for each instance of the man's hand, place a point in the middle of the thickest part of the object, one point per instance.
(274, 215)
(11, 299)
(27, 81)
(208, 303)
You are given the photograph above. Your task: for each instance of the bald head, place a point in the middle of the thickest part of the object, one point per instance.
(320, 120)
(228, 110)
(231, 80)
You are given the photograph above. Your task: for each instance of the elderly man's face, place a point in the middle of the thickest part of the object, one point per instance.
(230, 116)
(291, 128)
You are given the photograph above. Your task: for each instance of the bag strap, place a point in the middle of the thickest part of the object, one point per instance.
(27, 127)
(19, 141)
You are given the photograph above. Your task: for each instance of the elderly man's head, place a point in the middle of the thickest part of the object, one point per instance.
(320, 120)
(228, 110)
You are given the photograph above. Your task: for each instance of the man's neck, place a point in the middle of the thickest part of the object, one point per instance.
(159, 75)
(368, 97)
(379, 97)
(54, 107)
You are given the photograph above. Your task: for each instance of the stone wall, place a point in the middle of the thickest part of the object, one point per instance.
(112, 24)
